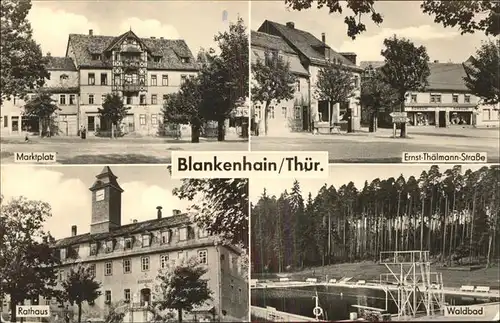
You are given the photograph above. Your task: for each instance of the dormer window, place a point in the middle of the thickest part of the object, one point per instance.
(109, 246)
(127, 243)
(93, 248)
(184, 59)
(62, 253)
(165, 236)
(183, 234)
(96, 57)
(63, 77)
(146, 240)
(202, 233)
(157, 59)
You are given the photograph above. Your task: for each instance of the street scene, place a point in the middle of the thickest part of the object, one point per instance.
(116, 83)
(377, 243)
(375, 87)
(126, 244)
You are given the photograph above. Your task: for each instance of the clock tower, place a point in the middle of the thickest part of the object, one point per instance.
(106, 202)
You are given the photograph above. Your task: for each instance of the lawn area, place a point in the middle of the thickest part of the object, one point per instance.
(370, 271)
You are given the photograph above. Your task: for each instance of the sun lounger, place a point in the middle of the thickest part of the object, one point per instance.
(332, 281)
(361, 282)
(284, 279)
(482, 289)
(312, 280)
(467, 288)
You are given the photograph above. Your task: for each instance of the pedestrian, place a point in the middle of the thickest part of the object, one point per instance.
(84, 133)
(257, 124)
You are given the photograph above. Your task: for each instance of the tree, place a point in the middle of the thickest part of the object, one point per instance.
(23, 66)
(182, 288)
(273, 80)
(80, 287)
(225, 77)
(26, 258)
(42, 107)
(482, 74)
(335, 84)
(224, 211)
(184, 107)
(376, 95)
(406, 69)
(469, 16)
(113, 112)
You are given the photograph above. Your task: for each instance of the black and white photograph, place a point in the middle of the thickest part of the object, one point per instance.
(123, 82)
(122, 244)
(377, 243)
(369, 80)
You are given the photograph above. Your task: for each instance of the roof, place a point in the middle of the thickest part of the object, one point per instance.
(60, 63)
(295, 66)
(303, 41)
(127, 229)
(271, 42)
(443, 76)
(171, 51)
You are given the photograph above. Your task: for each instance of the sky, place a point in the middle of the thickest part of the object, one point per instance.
(343, 174)
(197, 22)
(66, 189)
(403, 18)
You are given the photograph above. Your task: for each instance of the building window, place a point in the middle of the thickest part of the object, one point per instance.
(117, 80)
(183, 234)
(5, 121)
(142, 119)
(180, 255)
(72, 99)
(298, 112)
(233, 294)
(164, 80)
(298, 86)
(183, 79)
(93, 247)
(413, 98)
(62, 253)
(129, 100)
(435, 98)
(108, 268)
(486, 114)
(271, 113)
(61, 275)
(202, 257)
(92, 270)
(455, 98)
(146, 240)
(165, 98)
(109, 246)
(127, 266)
(142, 99)
(202, 233)
(258, 112)
(165, 237)
(91, 79)
(62, 99)
(127, 243)
(91, 99)
(96, 57)
(104, 78)
(467, 98)
(157, 59)
(154, 80)
(283, 112)
(163, 261)
(154, 119)
(108, 297)
(154, 99)
(145, 263)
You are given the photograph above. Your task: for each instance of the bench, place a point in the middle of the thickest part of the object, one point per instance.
(467, 288)
(332, 281)
(311, 280)
(361, 282)
(482, 289)
(284, 279)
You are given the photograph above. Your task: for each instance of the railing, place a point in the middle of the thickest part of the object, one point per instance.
(404, 257)
(131, 87)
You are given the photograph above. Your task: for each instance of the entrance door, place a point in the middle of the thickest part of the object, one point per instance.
(442, 119)
(90, 123)
(145, 296)
(323, 109)
(305, 118)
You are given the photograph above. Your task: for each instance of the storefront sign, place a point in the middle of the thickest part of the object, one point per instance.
(419, 108)
(144, 281)
(462, 109)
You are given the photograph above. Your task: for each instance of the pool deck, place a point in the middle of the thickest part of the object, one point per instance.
(446, 290)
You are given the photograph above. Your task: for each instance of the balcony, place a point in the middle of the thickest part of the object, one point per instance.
(131, 88)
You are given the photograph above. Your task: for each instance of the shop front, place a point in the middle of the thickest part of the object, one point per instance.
(460, 116)
(421, 116)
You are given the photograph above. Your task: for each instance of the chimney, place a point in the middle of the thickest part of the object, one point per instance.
(91, 32)
(158, 212)
(176, 212)
(134, 221)
(161, 37)
(350, 56)
(290, 24)
(73, 230)
(323, 38)
(436, 61)
(152, 37)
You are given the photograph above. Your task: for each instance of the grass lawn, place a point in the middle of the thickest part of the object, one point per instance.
(370, 271)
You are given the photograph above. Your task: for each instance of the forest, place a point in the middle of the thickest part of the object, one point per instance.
(453, 213)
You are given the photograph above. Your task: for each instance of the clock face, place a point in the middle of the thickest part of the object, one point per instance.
(99, 195)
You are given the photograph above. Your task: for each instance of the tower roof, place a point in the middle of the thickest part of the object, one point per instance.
(106, 178)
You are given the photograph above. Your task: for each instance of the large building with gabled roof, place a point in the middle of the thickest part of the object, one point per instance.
(126, 258)
(142, 70)
(307, 55)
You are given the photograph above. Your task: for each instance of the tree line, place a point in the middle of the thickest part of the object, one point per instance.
(451, 213)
